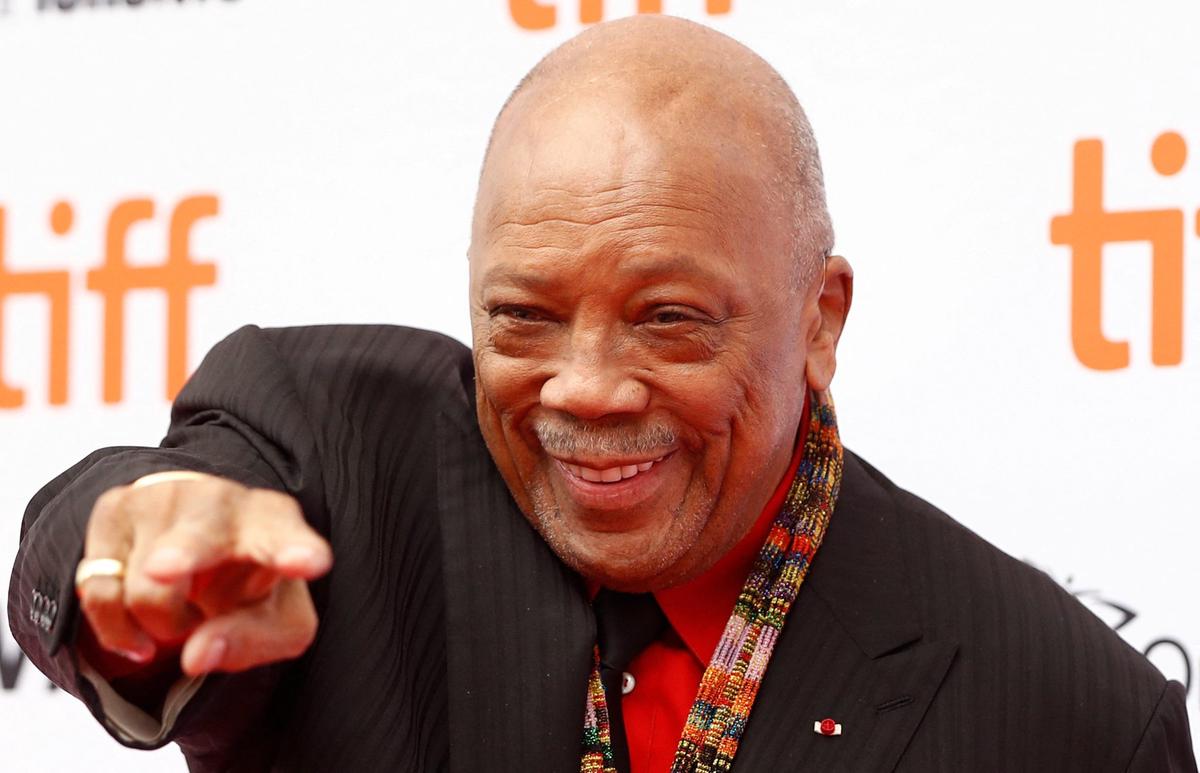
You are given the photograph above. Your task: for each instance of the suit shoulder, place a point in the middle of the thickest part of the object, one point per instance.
(1013, 621)
(351, 344)
(1027, 649)
(364, 360)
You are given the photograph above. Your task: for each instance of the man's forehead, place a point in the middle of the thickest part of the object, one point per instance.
(608, 142)
(654, 111)
(582, 136)
(602, 150)
(581, 174)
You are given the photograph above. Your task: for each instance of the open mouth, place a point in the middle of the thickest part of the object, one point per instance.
(614, 484)
(611, 474)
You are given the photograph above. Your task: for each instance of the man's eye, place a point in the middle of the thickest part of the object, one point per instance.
(518, 313)
(671, 317)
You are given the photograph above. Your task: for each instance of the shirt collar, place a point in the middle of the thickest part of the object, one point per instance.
(699, 609)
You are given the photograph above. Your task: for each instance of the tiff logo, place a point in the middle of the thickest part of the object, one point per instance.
(113, 280)
(540, 15)
(1089, 226)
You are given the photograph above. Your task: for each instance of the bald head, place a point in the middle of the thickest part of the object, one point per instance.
(691, 89)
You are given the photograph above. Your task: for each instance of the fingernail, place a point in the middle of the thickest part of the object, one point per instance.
(143, 652)
(212, 656)
(165, 561)
(301, 557)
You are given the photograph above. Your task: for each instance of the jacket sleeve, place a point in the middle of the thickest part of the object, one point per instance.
(238, 417)
(1166, 744)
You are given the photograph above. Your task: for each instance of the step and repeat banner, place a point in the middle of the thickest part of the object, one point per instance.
(1017, 187)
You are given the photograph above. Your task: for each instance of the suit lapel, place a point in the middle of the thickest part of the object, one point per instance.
(851, 650)
(519, 628)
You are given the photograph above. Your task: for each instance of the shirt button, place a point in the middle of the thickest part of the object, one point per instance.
(627, 683)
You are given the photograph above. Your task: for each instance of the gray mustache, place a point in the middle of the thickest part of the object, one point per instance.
(571, 437)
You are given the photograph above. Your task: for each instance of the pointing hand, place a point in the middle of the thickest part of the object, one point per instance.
(209, 565)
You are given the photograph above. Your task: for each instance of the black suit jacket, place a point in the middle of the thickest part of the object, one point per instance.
(452, 638)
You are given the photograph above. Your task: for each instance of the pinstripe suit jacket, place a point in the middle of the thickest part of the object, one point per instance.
(452, 638)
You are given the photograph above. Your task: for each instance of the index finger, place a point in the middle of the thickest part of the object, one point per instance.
(274, 533)
(257, 525)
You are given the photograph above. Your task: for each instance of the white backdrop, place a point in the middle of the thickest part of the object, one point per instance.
(342, 141)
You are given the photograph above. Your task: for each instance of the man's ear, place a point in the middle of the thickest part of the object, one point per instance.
(833, 304)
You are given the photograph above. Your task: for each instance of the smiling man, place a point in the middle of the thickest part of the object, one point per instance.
(649, 278)
(620, 533)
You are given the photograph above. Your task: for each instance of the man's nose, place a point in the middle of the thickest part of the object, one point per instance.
(592, 387)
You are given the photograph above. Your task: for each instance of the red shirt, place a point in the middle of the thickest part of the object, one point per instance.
(667, 673)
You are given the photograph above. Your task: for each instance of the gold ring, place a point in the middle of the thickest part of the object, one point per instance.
(166, 477)
(98, 567)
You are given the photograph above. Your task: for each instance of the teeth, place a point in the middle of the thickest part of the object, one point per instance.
(612, 474)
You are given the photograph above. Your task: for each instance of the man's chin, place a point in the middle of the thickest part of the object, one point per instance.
(631, 549)
(633, 562)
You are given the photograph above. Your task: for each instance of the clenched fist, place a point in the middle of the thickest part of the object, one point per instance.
(210, 565)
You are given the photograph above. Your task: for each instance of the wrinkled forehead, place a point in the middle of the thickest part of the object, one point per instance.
(606, 140)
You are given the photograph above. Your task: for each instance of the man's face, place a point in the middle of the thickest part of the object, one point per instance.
(638, 339)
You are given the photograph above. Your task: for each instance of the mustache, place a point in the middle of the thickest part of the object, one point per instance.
(568, 436)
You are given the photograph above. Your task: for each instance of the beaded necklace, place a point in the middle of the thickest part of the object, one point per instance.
(730, 684)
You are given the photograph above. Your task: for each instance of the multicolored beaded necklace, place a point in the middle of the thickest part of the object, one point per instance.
(722, 707)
